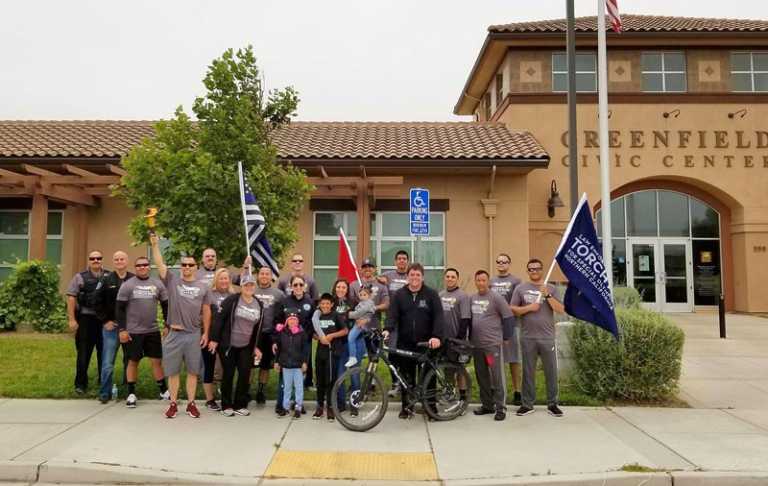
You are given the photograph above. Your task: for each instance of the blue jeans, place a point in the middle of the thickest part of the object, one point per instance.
(293, 379)
(356, 343)
(109, 346)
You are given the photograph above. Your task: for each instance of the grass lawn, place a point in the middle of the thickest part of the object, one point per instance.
(43, 366)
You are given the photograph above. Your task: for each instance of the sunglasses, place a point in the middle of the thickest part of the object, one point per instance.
(141, 265)
(502, 262)
(188, 265)
(95, 259)
(536, 269)
(298, 284)
(297, 261)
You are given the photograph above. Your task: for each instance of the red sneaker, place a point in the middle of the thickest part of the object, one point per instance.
(172, 410)
(192, 410)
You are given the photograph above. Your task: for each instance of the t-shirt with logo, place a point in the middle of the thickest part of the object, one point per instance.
(504, 285)
(539, 324)
(342, 307)
(185, 301)
(379, 294)
(270, 299)
(330, 323)
(205, 275)
(245, 319)
(142, 296)
(456, 307)
(217, 297)
(488, 310)
(395, 280)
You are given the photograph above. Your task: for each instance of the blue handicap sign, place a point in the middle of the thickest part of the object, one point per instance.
(419, 205)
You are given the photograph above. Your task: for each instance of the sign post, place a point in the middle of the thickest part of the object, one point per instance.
(419, 208)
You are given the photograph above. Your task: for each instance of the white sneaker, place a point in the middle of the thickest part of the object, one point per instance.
(394, 391)
(352, 361)
(166, 395)
(228, 412)
(243, 412)
(130, 402)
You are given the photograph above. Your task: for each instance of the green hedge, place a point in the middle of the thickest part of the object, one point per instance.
(643, 366)
(627, 297)
(30, 295)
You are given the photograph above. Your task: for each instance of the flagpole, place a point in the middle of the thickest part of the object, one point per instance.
(605, 178)
(240, 179)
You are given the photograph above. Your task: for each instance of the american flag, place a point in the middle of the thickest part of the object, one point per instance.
(612, 7)
(255, 224)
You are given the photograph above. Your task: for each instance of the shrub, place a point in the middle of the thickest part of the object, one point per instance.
(643, 366)
(30, 295)
(627, 297)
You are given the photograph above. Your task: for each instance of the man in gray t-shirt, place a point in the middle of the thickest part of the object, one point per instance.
(297, 268)
(504, 284)
(492, 324)
(190, 309)
(208, 268)
(536, 302)
(456, 306)
(271, 299)
(397, 278)
(136, 317)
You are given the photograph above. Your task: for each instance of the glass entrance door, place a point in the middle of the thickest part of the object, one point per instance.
(642, 271)
(661, 271)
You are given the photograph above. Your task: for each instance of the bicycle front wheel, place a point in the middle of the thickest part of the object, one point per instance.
(441, 391)
(363, 403)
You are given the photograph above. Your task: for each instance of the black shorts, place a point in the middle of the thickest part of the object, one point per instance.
(140, 345)
(265, 345)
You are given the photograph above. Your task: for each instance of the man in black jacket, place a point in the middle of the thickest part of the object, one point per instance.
(416, 315)
(106, 305)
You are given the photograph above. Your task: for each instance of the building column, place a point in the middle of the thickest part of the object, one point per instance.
(490, 210)
(38, 228)
(363, 221)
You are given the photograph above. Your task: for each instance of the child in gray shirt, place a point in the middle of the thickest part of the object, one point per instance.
(363, 316)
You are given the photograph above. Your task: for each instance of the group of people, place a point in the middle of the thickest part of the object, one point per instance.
(211, 327)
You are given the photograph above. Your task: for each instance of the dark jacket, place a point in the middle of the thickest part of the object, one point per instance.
(221, 327)
(302, 308)
(292, 349)
(106, 295)
(415, 317)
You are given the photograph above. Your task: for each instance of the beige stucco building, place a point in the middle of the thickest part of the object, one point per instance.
(689, 166)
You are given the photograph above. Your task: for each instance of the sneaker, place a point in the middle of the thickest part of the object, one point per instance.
(517, 399)
(500, 415)
(404, 414)
(228, 412)
(352, 361)
(523, 410)
(80, 390)
(261, 399)
(130, 402)
(296, 414)
(243, 412)
(303, 410)
(482, 411)
(279, 409)
(555, 411)
(331, 415)
(172, 410)
(353, 411)
(104, 399)
(212, 406)
(192, 410)
(318, 413)
(394, 391)
(281, 412)
(166, 395)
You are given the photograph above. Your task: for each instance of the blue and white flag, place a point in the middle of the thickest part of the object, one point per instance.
(588, 296)
(255, 224)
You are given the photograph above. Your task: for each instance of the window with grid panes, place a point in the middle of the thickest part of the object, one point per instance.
(586, 72)
(14, 238)
(749, 71)
(663, 72)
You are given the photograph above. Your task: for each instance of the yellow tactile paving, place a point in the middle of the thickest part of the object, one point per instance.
(393, 466)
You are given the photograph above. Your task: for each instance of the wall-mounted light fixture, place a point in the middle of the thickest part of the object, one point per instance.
(554, 200)
(674, 113)
(610, 114)
(740, 113)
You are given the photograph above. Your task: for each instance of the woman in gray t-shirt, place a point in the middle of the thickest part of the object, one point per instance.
(221, 288)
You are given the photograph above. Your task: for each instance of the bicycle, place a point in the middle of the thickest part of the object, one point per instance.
(364, 403)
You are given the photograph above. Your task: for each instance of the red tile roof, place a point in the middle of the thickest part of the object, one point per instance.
(299, 140)
(639, 23)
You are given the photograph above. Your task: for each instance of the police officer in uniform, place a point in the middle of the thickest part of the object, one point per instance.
(82, 296)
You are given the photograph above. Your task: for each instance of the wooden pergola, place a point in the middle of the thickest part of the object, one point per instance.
(77, 187)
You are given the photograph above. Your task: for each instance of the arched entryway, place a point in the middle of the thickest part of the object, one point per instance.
(670, 242)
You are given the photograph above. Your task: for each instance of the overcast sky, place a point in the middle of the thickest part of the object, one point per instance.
(349, 60)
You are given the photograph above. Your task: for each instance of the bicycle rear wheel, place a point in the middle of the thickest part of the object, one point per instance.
(364, 405)
(441, 396)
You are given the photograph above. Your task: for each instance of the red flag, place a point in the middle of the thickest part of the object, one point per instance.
(612, 7)
(347, 267)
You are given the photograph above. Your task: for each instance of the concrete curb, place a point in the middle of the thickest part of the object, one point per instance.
(720, 478)
(20, 471)
(615, 478)
(72, 472)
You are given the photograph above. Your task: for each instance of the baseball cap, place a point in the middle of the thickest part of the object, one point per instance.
(247, 278)
(367, 263)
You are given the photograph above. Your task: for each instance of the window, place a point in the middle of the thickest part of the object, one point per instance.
(390, 232)
(499, 89)
(663, 72)
(14, 238)
(749, 71)
(55, 236)
(586, 72)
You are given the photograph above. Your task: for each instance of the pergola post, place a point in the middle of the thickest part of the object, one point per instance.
(363, 221)
(38, 228)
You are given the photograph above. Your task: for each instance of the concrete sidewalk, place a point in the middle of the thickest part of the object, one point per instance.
(78, 441)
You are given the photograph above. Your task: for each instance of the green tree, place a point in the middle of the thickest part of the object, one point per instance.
(188, 170)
